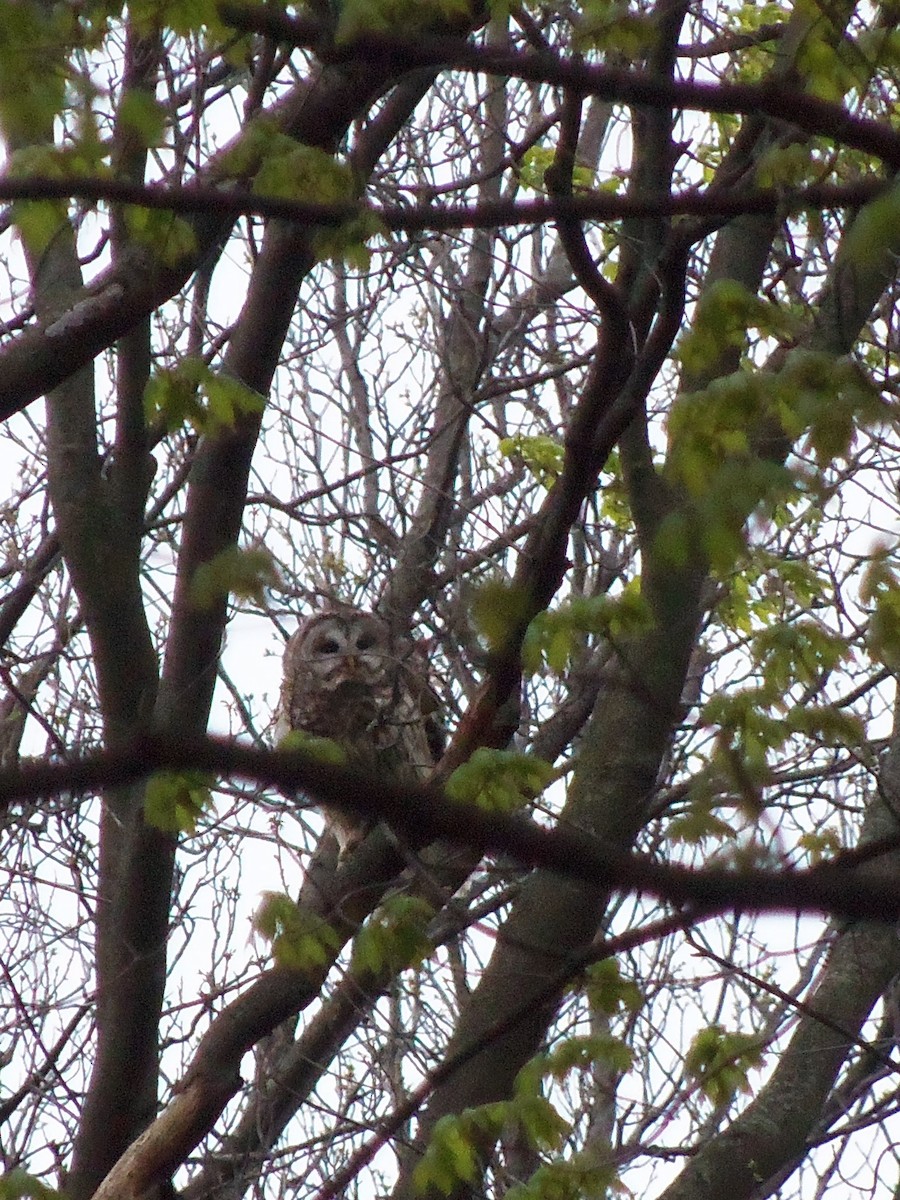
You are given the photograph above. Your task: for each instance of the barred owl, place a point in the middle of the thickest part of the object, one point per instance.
(346, 678)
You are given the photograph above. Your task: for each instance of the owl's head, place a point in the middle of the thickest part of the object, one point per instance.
(344, 646)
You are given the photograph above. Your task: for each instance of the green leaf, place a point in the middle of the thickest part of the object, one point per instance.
(322, 749)
(38, 222)
(300, 938)
(142, 117)
(724, 315)
(880, 589)
(498, 609)
(16, 1184)
(450, 1158)
(573, 1054)
(395, 937)
(192, 391)
(361, 17)
(541, 455)
(535, 162)
(499, 780)
(721, 1062)
(174, 801)
(873, 239)
(608, 991)
(798, 652)
(294, 171)
(615, 28)
(577, 1178)
(820, 846)
(553, 636)
(698, 825)
(170, 237)
(245, 573)
(183, 17)
(34, 42)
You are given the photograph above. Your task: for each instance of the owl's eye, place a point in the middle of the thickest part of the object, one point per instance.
(365, 641)
(328, 646)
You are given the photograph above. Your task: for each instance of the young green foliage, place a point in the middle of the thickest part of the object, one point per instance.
(169, 237)
(192, 391)
(319, 748)
(554, 636)
(290, 170)
(184, 17)
(38, 220)
(713, 457)
(616, 28)
(881, 591)
(721, 1062)
(243, 572)
(300, 938)
(725, 314)
(142, 117)
(451, 1157)
(499, 780)
(575, 1054)
(497, 609)
(395, 937)
(608, 991)
(580, 1177)
(175, 801)
(535, 162)
(540, 454)
(19, 1185)
(34, 43)
(361, 17)
(820, 846)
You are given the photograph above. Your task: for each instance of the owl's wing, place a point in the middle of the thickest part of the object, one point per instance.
(285, 698)
(415, 667)
(282, 727)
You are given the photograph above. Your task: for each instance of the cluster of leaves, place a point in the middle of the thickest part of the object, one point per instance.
(542, 455)
(720, 1061)
(755, 721)
(536, 161)
(192, 391)
(19, 1185)
(881, 590)
(360, 17)
(452, 1155)
(754, 596)
(813, 396)
(320, 748)
(608, 991)
(499, 780)
(300, 938)
(554, 637)
(395, 937)
(278, 166)
(617, 28)
(175, 801)
(243, 572)
(698, 824)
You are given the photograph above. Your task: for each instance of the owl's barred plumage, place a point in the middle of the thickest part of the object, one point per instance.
(347, 678)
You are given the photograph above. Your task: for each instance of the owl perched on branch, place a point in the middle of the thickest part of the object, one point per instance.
(347, 678)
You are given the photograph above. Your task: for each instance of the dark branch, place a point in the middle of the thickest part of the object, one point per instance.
(427, 814)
